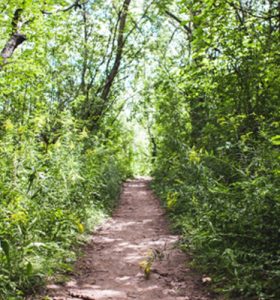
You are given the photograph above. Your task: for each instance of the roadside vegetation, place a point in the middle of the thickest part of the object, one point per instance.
(80, 79)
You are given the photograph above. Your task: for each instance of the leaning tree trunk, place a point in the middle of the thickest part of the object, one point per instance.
(120, 45)
(16, 38)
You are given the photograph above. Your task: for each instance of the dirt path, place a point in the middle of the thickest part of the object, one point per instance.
(110, 268)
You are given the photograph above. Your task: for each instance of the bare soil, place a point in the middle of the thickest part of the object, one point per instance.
(137, 232)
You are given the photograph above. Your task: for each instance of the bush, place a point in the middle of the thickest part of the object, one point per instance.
(228, 217)
(54, 187)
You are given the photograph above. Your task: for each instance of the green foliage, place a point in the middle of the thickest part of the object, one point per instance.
(231, 228)
(61, 170)
(216, 127)
(210, 104)
(50, 194)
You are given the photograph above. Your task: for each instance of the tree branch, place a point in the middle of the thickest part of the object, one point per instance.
(15, 39)
(242, 9)
(75, 5)
(120, 45)
(187, 28)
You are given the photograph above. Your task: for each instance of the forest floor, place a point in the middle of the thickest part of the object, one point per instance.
(138, 231)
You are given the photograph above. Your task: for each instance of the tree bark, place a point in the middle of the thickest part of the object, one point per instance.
(15, 40)
(120, 45)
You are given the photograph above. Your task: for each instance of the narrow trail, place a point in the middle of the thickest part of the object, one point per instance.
(110, 267)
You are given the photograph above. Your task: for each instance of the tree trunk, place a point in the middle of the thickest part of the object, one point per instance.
(16, 40)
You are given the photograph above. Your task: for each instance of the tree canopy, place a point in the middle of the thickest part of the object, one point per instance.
(78, 78)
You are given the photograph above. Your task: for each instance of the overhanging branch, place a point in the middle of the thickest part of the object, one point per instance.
(76, 5)
(17, 38)
(178, 20)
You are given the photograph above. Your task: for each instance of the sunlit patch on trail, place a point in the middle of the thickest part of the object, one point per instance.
(132, 256)
(98, 294)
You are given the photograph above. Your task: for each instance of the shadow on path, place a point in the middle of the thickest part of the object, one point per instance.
(110, 267)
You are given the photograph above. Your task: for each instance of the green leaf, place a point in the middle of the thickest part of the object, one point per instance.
(5, 246)
(275, 140)
(29, 269)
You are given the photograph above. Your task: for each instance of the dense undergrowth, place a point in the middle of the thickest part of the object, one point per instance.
(63, 150)
(216, 133)
(50, 197)
(228, 220)
(206, 78)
